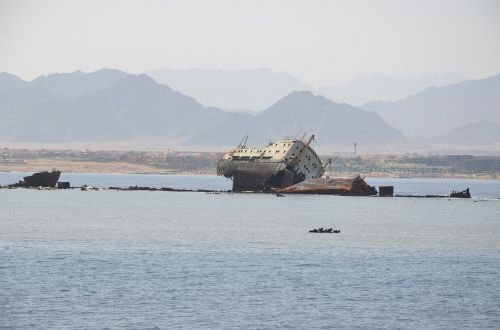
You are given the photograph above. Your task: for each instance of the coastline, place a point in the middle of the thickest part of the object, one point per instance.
(38, 165)
(68, 166)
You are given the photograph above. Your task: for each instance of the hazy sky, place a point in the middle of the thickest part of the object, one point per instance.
(318, 41)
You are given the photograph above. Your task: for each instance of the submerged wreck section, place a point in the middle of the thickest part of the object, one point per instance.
(250, 175)
(40, 179)
(278, 165)
(356, 186)
(461, 194)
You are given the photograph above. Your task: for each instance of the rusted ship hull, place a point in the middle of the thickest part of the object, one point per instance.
(258, 176)
(42, 179)
(332, 186)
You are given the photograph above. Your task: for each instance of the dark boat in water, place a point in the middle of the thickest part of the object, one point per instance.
(42, 179)
(321, 230)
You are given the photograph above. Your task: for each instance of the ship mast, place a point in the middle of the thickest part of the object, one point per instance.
(329, 161)
(309, 141)
(243, 142)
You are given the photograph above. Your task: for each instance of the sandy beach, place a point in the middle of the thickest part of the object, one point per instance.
(37, 165)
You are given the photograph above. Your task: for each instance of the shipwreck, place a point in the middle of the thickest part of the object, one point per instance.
(278, 165)
(40, 179)
(356, 186)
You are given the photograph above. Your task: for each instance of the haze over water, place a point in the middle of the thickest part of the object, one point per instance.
(80, 79)
(105, 259)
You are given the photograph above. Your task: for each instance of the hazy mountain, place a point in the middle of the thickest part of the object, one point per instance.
(441, 109)
(483, 132)
(246, 89)
(137, 107)
(134, 107)
(381, 87)
(301, 112)
(77, 83)
(9, 81)
(17, 107)
(36, 110)
(99, 106)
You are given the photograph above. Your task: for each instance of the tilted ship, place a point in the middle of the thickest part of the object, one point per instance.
(278, 165)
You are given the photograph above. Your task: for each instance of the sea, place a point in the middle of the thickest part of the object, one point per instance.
(72, 259)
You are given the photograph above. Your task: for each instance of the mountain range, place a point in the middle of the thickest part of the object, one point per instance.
(301, 113)
(251, 90)
(478, 133)
(439, 110)
(382, 87)
(255, 90)
(110, 105)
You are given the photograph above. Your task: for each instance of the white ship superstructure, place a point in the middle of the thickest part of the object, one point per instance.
(279, 164)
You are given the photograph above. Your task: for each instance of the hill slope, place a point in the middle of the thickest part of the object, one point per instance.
(300, 112)
(479, 133)
(438, 110)
(77, 83)
(245, 89)
(135, 106)
(381, 87)
(9, 81)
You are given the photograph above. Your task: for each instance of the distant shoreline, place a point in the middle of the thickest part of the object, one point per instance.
(84, 167)
(38, 165)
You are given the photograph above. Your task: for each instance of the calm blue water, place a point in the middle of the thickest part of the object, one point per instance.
(479, 188)
(159, 260)
(126, 180)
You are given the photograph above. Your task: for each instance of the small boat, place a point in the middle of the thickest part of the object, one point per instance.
(321, 230)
